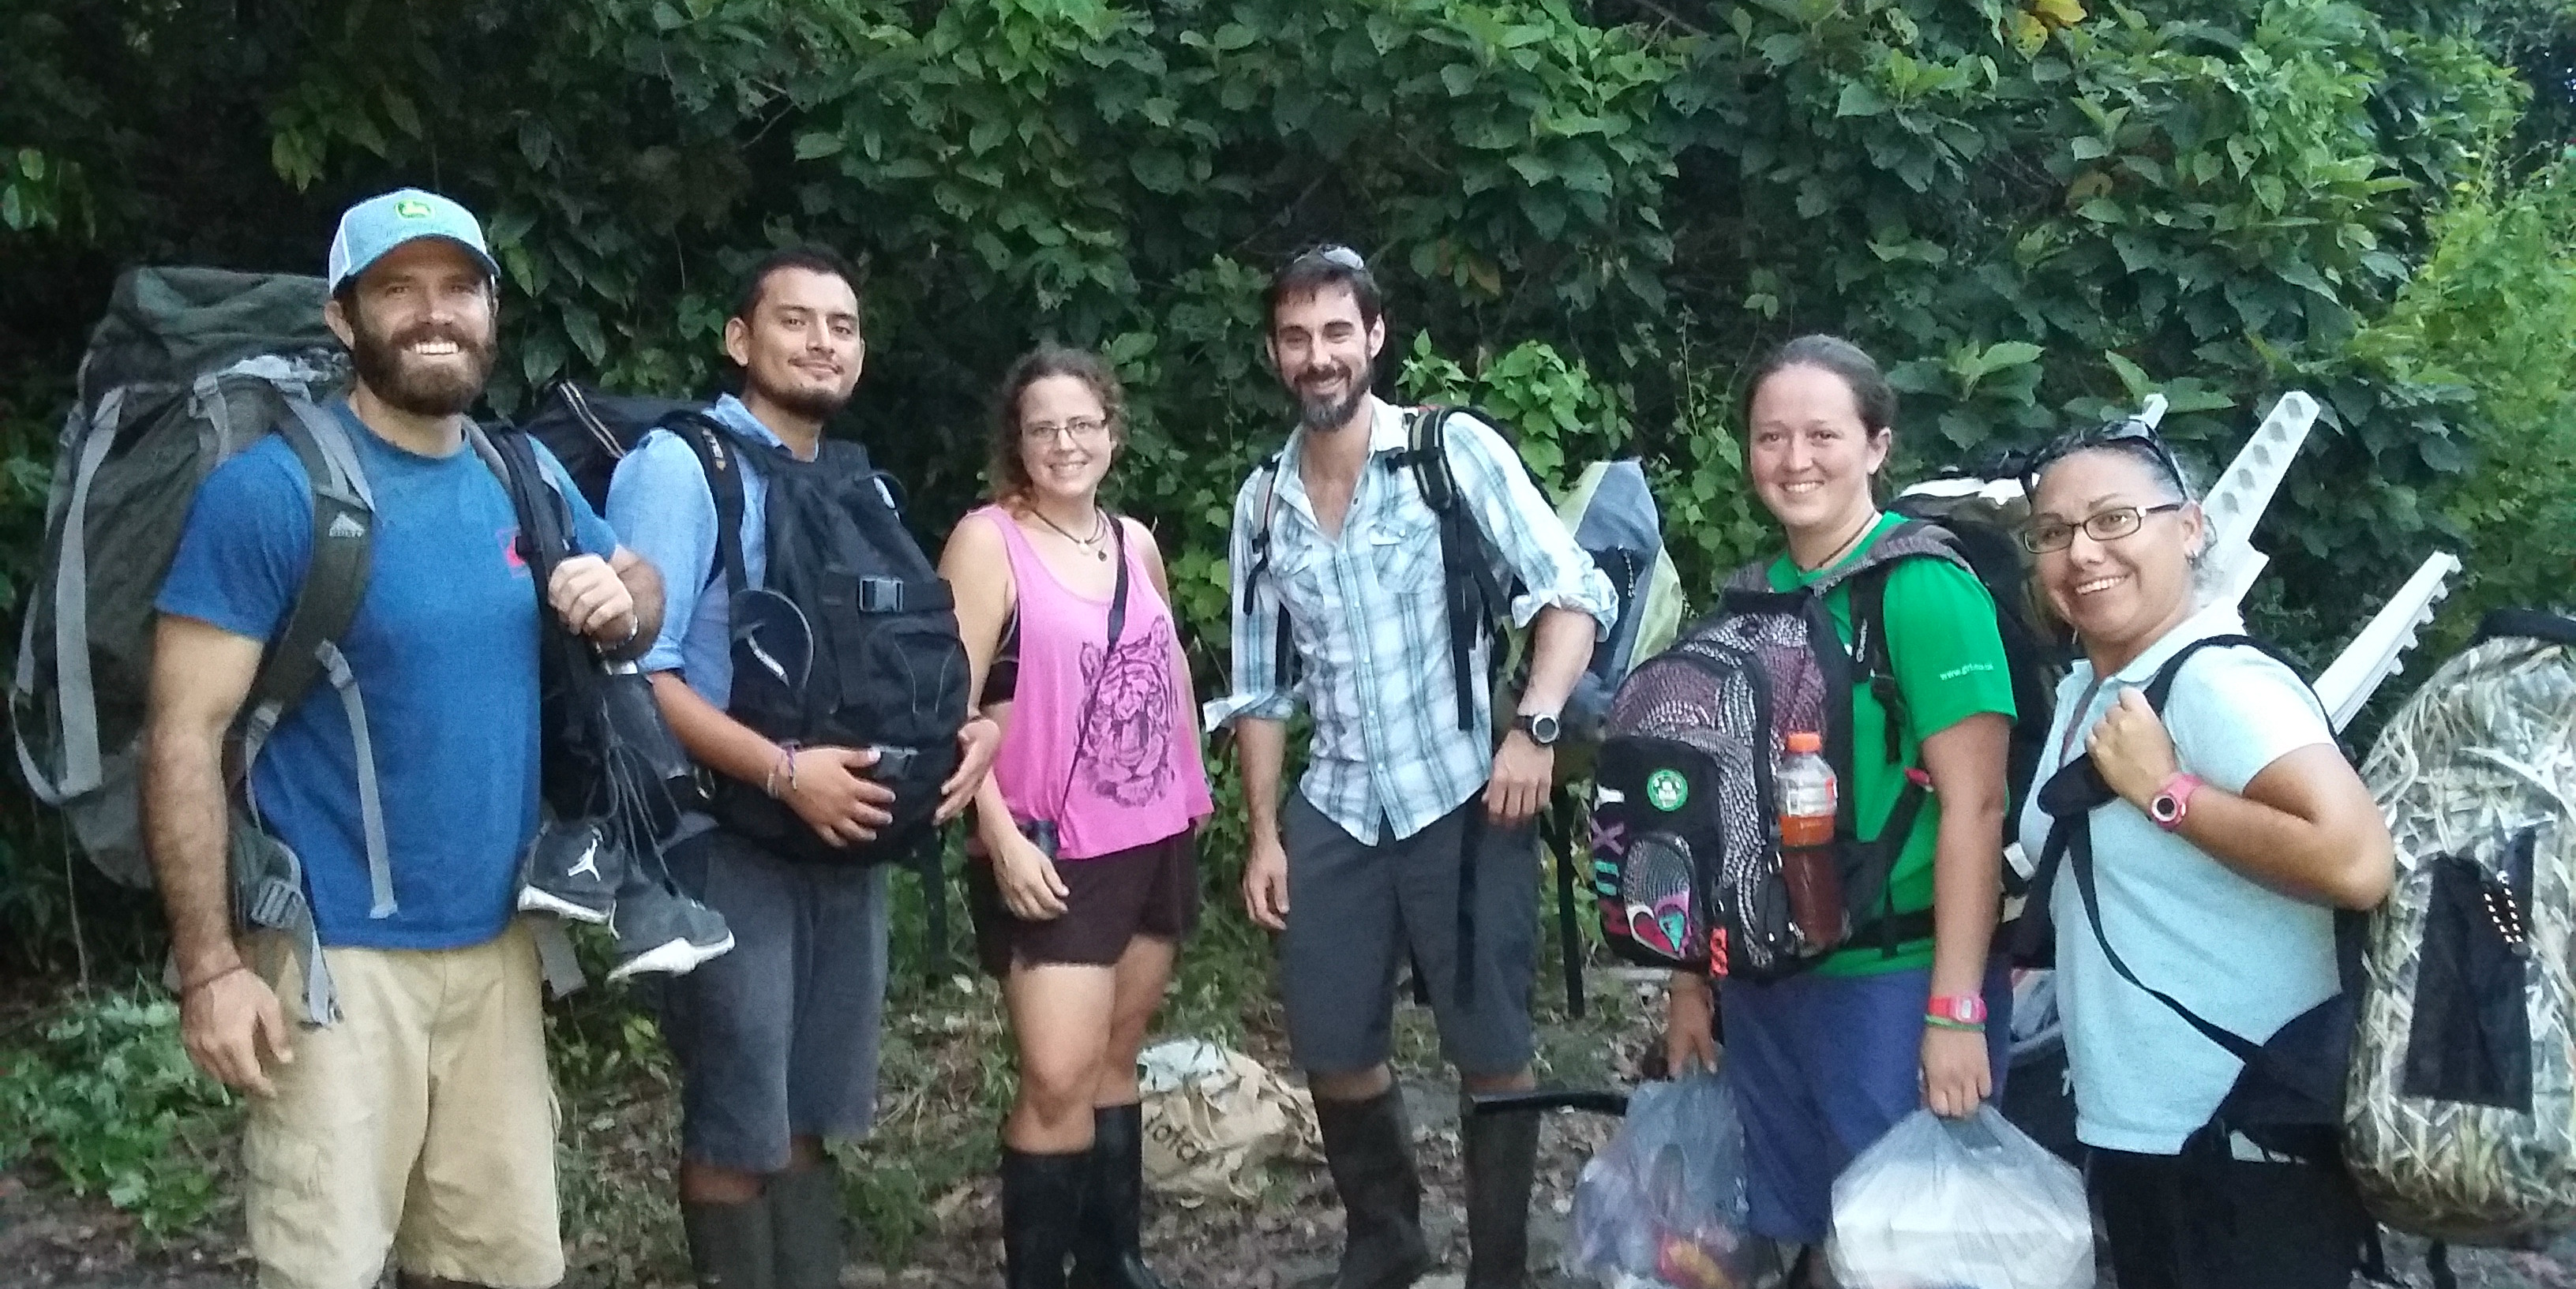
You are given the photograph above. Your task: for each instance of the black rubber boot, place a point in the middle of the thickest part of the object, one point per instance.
(805, 1227)
(1109, 1252)
(730, 1246)
(1041, 1209)
(1500, 1152)
(1370, 1152)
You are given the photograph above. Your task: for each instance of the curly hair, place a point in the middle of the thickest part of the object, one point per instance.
(1009, 473)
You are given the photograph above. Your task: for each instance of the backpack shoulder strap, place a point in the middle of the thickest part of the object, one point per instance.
(1283, 651)
(2072, 795)
(335, 573)
(722, 457)
(2526, 624)
(545, 536)
(1477, 603)
(1426, 454)
(1876, 665)
(306, 650)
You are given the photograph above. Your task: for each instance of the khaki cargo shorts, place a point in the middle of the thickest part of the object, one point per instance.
(421, 1126)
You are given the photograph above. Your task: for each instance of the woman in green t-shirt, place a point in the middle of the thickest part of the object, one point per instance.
(1826, 1062)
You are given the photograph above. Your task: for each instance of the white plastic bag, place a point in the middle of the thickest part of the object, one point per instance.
(1971, 1204)
(1662, 1206)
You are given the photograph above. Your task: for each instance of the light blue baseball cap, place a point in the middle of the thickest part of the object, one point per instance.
(377, 225)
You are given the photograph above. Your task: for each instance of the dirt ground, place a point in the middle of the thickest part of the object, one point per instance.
(49, 1241)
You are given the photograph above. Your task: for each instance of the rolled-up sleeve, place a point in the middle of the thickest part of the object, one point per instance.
(1260, 692)
(1524, 529)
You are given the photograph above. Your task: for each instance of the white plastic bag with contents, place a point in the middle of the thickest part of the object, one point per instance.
(1966, 1204)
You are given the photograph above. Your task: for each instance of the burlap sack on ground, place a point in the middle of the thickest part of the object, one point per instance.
(1214, 1117)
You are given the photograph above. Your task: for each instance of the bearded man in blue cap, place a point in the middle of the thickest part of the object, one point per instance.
(413, 1120)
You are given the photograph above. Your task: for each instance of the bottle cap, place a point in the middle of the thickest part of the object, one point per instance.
(1806, 741)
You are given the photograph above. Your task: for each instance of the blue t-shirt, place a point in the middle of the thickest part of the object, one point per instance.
(444, 647)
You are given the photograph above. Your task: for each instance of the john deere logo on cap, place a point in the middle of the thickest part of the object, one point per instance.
(412, 208)
(1666, 790)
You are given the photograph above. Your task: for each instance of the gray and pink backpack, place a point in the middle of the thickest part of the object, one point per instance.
(1685, 840)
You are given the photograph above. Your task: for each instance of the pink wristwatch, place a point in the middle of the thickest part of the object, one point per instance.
(2173, 800)
(1958, 1009)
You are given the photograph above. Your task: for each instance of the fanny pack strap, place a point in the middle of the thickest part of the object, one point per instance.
(1117, 627)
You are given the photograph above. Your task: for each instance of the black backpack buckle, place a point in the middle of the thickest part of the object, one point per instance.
(880, 595)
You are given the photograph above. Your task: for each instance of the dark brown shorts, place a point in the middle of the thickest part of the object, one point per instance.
(1149, 890)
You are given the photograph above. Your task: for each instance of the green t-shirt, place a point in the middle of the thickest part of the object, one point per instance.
(1949, 664)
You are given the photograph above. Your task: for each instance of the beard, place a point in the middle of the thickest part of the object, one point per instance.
(385, 365)
(818, 404)
(1324, 413)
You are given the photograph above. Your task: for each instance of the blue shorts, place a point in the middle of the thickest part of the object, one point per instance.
(778, 1038)
(1823, 1067)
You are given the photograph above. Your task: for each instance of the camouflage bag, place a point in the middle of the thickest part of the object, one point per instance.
(2460, 1118)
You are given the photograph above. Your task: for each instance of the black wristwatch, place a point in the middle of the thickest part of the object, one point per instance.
(1542, 727)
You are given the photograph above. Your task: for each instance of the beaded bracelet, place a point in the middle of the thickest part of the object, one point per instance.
(787, 762)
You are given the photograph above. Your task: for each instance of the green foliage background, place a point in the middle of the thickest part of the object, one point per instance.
(1591, 215)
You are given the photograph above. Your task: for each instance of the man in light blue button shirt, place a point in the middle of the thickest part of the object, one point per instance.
(777, 1040)
(1407, 811)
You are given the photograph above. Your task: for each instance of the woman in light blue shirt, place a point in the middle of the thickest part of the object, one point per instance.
(2235, 830)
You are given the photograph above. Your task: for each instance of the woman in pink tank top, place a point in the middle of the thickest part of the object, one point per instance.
(1084, 879)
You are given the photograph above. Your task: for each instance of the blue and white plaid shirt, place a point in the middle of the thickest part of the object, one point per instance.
(1370, 624)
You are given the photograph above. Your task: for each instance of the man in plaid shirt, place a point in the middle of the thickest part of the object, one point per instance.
(1410, 837)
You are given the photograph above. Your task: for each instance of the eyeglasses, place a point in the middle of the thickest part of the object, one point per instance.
(1084, 429)
(2046, 535)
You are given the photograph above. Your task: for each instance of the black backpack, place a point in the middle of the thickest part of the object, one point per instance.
(606, 753)
(1985, 533)
(590, 431)
(852, 641)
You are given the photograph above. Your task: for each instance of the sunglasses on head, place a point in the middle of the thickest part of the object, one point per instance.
(2129, 434)
(1335, 253)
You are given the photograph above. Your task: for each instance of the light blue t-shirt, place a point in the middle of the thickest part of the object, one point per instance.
(2240, 954)
(659, 502)
(444, 647)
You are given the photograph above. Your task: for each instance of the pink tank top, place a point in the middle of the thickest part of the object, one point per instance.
(1137, 778)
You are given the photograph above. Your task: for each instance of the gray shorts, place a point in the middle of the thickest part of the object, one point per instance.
(778, 1038)
(1356, 914)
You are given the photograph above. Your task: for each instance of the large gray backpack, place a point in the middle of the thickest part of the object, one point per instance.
(2460, 1117)
(189, 367)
